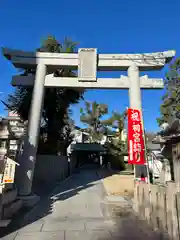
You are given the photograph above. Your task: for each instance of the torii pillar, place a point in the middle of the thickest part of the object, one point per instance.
(135, 103)
(32, 138)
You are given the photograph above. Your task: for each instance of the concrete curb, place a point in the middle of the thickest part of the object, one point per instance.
(104, 206)
(105, 193)
(101, 179)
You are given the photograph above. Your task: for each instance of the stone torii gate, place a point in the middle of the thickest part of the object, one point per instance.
(87, 62)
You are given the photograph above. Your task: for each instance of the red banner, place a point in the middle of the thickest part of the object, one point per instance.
(135, 138)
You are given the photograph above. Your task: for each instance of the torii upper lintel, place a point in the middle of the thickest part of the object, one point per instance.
(106, 62)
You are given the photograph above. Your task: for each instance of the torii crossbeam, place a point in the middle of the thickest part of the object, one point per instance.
(101, 83)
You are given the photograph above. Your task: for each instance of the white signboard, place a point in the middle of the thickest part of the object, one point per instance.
(9, 172)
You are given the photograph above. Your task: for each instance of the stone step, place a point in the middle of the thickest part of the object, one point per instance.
(9, 196)
(10, 209)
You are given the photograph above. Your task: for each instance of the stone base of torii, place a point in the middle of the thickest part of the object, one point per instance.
(88, 62)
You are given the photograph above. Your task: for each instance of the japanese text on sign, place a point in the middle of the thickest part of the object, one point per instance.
(9, 171)
(135, 137)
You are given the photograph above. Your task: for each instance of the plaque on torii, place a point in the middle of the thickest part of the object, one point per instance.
(87, 62)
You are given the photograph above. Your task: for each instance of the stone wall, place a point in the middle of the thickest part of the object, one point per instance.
(51, 169)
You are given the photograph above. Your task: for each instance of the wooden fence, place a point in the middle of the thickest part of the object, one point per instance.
(160, 207)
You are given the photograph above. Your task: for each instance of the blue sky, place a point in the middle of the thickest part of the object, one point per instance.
(115, 26)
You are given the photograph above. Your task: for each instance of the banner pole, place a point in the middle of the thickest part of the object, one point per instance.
(145, 148)
(146, 158)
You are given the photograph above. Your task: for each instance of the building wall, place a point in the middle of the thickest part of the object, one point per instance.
(50, 168)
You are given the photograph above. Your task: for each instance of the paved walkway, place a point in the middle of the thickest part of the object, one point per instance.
(75, 211)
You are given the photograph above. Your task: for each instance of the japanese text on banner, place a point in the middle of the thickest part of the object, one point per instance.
(135, 138)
